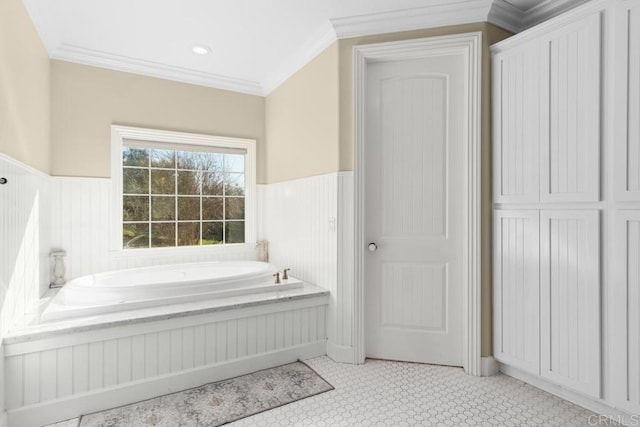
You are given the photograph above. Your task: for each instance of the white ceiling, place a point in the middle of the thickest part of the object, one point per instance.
(255, 43)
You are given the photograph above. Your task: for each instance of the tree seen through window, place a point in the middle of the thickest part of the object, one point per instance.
(174, 197)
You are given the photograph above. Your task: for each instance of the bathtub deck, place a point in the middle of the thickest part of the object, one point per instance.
(38, 331)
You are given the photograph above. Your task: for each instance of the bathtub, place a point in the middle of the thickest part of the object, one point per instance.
(117, 338)
(140, 288)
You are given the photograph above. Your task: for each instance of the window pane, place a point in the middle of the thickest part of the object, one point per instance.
(135, 181)
(211, 233)
(234, 231)
(173, 196)
(188, 233)
(189, 160)
(135, 156)
(162, 158)
(234, 207)
(212, 208)
(211, 162)
(163, 235)
(135, 208)
(212, 184)
(189, 209)
(234, 162)
(234, 183)
(135, 236)
(162, 182)
(163, 208)
(189, 183)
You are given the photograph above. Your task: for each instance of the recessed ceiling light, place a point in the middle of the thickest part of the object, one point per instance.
(201, 50)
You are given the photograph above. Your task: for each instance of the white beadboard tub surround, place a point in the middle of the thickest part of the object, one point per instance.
(80, 218)
(309, 225)
(24, 267)
(24, 255)
(57, 375)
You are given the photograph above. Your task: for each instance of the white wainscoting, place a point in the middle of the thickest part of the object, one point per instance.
(24, 255)
(24, 250)
(80, 223)
(57, 378)
(309, 225)
(341, 347)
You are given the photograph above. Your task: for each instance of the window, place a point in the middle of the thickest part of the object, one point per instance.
(182, 190)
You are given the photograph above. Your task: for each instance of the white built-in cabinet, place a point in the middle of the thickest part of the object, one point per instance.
(566, 179)
(625, 246)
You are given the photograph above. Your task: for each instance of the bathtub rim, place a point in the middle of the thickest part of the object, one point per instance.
(41, 331)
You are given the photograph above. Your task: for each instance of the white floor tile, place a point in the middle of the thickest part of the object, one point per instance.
(384, 393)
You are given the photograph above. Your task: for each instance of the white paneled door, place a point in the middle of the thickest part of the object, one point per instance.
(414, 206)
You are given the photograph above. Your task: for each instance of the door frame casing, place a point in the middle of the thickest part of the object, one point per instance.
(469, 45)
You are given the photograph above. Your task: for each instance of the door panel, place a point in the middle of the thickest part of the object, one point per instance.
(570, 118)
(516, 126)
(414, 124)
(627, 100)
(516, 288)
(570, 298)
(626, 311)
(413, 173)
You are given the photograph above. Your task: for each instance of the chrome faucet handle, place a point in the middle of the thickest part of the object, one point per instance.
(285, 274)
(277, 276)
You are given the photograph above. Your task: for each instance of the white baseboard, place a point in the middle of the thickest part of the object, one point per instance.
(63, 409)
(600, 407)
(340, 353)
(488, 366)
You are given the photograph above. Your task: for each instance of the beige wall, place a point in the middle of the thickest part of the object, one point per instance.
(491, 34)
(87, 100)
(24, 88)
(302, 124)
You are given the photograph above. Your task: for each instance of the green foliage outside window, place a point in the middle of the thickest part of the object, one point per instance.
(182, 198)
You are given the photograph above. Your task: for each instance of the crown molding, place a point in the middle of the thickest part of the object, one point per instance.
(96, 58)
(438, 15)
(452, 12)
(546, 10)
(506, 15)
(299, 59)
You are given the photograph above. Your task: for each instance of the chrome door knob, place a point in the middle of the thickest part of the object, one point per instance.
(373, 247)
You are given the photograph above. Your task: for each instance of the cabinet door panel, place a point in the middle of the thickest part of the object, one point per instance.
(516, 126)
(570, 299)
(516, 289)
(625, 307)
(570, 115)
(627, 109)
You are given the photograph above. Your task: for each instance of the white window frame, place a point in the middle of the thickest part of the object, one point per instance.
(120, 133)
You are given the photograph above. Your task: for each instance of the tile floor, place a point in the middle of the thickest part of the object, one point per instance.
(383, 393)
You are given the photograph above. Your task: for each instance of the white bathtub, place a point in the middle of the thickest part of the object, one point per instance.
(160, 286)
(105, 351)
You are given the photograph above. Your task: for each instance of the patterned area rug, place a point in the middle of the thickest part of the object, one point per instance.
(218, 403)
